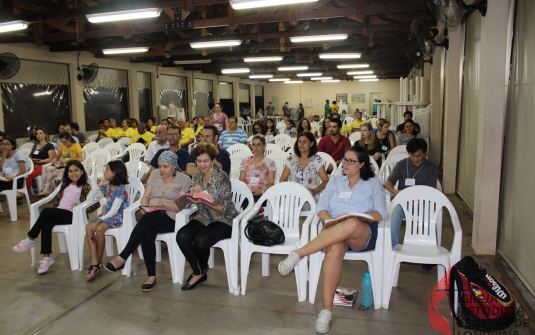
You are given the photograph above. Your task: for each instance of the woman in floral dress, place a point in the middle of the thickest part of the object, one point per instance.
(258, 171)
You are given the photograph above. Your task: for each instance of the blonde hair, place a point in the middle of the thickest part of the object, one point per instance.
(362, 141)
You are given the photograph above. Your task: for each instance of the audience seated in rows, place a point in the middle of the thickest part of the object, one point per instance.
(233, 135)
(408, 134)
(401, 127)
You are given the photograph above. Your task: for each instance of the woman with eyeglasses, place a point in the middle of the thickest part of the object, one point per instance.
(12, 164)
(258, 171)
(158, 214)
(212, 222)
(356, 191)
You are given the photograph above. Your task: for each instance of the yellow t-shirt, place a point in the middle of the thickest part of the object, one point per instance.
(345, 130)
(356, 124)
(111, 132)
(71, 152)
(187, 135)
(124, 133)
(153, 129)
(198, 131)
(334, 109)
(147, 137)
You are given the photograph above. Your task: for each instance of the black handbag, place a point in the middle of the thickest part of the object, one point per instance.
(261, 231)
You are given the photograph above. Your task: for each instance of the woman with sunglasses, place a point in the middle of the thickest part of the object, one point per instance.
(356, 191)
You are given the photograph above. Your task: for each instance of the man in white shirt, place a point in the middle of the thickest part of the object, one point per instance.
(281, 125)
(313, 124)
(159, 142)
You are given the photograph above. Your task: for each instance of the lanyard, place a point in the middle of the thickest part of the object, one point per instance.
(416, 171)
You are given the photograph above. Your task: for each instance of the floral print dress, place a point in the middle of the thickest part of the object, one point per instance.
(257, 176)
(117, 193)
(309, 176)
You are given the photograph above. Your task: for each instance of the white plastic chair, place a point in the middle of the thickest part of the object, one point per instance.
(420, 243)
(92, 138)
(235, 162)
(28, 145)
(373, 122)
(238, 147)
(134, 188)
(328, 161)
(115, 150)
(354, 137)
(288, 146)
(281, 139)
(240, 192)
(136, 151)
(284, 204)
(375, 167)
(104, 142)
(250, 139)
(271, 148)
(124, 141)
(279, 158)
(348, 120)
(374, 258)
(25, 151)
(137, 168)
(96, 164)
(388, 165)
(89, 148)
(400, 149)
(11, 195)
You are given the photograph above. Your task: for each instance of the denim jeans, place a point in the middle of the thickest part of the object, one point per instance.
(398, 215)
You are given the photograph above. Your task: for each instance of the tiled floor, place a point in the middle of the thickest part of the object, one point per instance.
(62, 302)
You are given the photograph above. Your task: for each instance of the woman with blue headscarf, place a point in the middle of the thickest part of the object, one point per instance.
(163, 187)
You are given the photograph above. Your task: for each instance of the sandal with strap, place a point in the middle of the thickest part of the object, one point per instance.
(96, 268)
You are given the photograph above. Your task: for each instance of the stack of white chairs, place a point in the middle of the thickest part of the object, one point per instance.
(115, 150)
(423, 118)
(244, 124)
(11, 195)
(136, 151)
(235, 162)
(104, 142)
(279, 158)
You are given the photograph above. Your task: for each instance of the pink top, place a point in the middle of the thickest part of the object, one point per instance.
(257, 177)
(70, 198)
(219, 123)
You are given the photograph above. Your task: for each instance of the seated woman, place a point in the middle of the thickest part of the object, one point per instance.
(325, 126)
(32, 138)
(68, 150)
(12, 164)
(74, 191)
(55, 139)
(151, 124)
(303, 125)
(258, 171)
(290, 128)
(305, 167)
(271, 129)
(126, 130)
(212, 222)
(260, 128)
(408, 134)
(163, 187)
(369, 143)
(385, 137)
(42, 153)
(357, 191)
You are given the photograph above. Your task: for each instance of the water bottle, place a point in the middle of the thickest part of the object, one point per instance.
(367, 294)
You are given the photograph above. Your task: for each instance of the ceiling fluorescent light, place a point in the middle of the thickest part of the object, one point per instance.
(321, 78)
(124, 15)
(294, 82)
(331, 81)
(189, 62)
(13, 25)
(353, 73)
(365, 77)
(280, 79)
(292, 68)
(260, 76)
(237, 70)
(263, 59)
(317, 38)
(369, 80)
(124, 50)
(353, 66)
(215, 44)
(311, 74)
(246, 4)
(340, 56)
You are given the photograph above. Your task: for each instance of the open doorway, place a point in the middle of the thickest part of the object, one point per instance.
(373, 108)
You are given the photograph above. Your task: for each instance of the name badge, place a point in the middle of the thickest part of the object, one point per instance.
(410, 182)
(8, 170)
(384, 148)
(254, 180)
(36, 152)
(345, 195)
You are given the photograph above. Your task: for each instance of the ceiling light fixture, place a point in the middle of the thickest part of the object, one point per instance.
(316, 38)
(321, 78)
(263, 59)
(353, 66)
(292, 68)
(215, 44)
(246, 4)
(260, 76)
(340, 56)
(294, 82)
(310, 74)
(124, 15)
(331, 81)
(369, 80)
(280, 79)
(365, 77)
(13, 25)
(124, 50)
(190, 62)
(237, 70)
(353, 73)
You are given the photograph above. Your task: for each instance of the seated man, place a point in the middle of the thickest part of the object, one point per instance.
(411, 171)
(188, 135)
(401, 127)
(159, 142)
(232, 135)
(66, 129)
(334, 144)
(75, 130)
(142, 136)
(210, 134)
(355, 125)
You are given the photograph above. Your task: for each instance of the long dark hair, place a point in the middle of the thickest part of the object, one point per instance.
(65, 181)
(311, 138)
(121, 173)
(366, 171)
(273, 127)
(300, 128)
(263, 129)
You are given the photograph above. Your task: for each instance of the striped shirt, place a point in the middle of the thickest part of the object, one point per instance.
(227, 138)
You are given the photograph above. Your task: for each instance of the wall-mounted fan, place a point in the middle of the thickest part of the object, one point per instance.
(88, 73)
(450, 12)
(9, 65)
(424, 38)
(418, 60)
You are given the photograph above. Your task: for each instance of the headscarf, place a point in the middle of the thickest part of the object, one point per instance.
(170, 158)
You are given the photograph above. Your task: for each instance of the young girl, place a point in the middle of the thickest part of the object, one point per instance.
(74, 191)
(290, 128)
(113, 188)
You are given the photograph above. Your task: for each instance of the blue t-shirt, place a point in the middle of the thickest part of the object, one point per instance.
(11, 167)
(181, 154)
(223, 158)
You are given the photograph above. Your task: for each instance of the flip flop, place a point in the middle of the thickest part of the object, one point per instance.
(97, 268)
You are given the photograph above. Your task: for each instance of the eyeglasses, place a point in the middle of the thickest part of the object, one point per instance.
(350, 161)
(173, 134)
(206, 161)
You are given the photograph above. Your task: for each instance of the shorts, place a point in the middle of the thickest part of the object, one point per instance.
(371, 240)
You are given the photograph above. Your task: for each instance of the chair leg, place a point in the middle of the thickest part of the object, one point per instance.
(62, 243)
(180, 265)
(316, 260)
(396, 275)
(159, 251)
(33, 256)
(245, 262)
(265, 265)
(300, 279)
(12, 205)
(109, 246)
(211, 259)
(228, 266)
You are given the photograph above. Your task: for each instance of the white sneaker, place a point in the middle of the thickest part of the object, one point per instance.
(45, 264)
(287, 266)
(322, 322)
(24, 245)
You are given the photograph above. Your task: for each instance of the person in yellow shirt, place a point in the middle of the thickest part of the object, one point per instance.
(133, 124)
(151, 124)
(334, 108)
(112, 132)
(355, 125)
(199, 126)
(125, 131)
(188, 135)
(143, 136)
(105, 130)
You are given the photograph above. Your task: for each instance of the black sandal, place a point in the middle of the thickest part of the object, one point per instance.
(97, 269)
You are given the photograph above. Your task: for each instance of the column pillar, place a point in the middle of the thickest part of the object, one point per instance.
(437, 98)
(133, 100)
(77, 98)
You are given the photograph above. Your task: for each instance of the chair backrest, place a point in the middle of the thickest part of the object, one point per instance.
(250, 139)
(348, 120)
(355, 136)
(238, 147)
(271, 148)
(281, 139)
(89, 148)
(373, 122)
(389, 164)
(92, 138)
(240, 192)
(375, 167)
(25, 151)
(339, 170)
(136, 151)
(136, 168)
(28, 145)
(289, 144)
(235, 163)
(279, 157)
(104, 142)
(240, 121)
(115, 150)
(124, 141)
(97, 162)
(327, 161)
(400, 149)
(134, 189)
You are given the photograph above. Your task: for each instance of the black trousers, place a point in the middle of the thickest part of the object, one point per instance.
(49, 218)
(8, 185)
(196, 239)
(145, 232)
